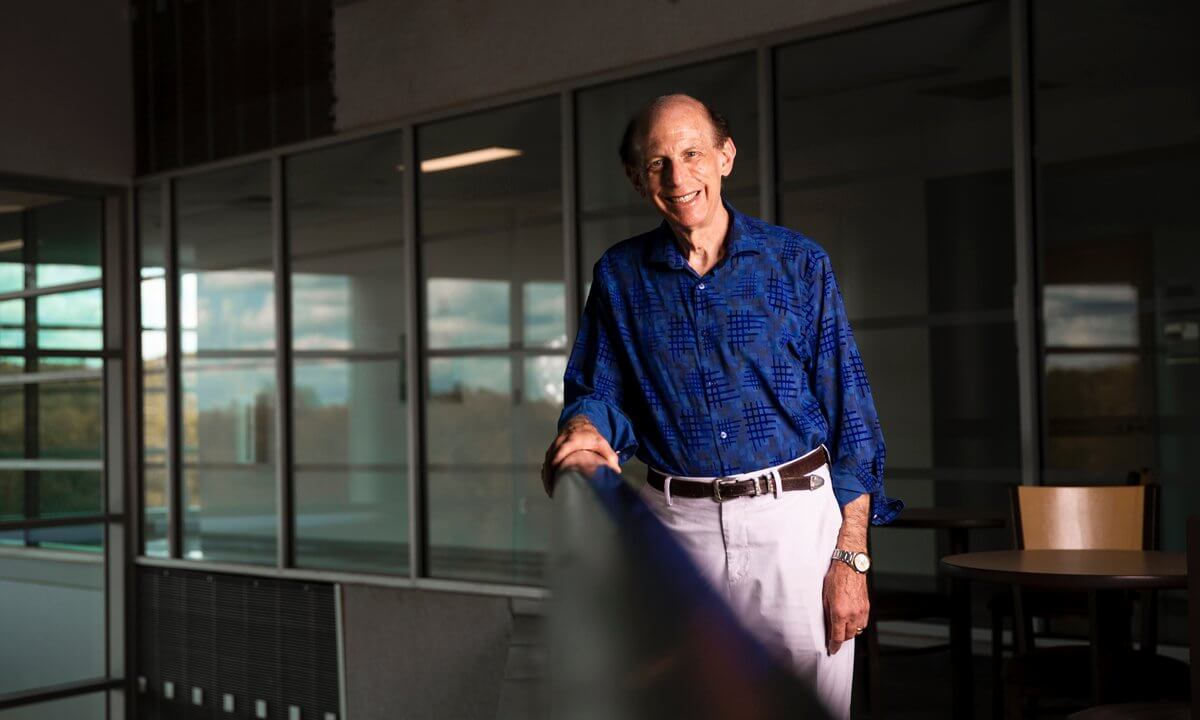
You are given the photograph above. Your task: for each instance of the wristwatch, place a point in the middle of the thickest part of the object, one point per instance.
(860, 561)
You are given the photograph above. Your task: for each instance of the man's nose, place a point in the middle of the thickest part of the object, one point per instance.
(675, 174)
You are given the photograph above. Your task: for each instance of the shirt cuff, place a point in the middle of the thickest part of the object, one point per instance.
(847, 487)
(610, 422)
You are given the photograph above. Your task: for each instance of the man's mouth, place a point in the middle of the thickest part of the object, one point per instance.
(683, 199)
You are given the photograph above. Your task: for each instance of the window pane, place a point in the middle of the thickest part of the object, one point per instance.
(227, 295)
(12, 494)
(351, 465)
(491, 244)
(901, 169)
(12, 244)
(346, 232)
(489, 517)
(346, 229)
(227, 341)
(53, 610)
(610, 210)
(153, 314)
(71, 320)
(229, 459)
(491, 221)
(68, 241)
(71, 419)
(1116, 99)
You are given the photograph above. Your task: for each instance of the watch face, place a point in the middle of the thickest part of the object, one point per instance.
(862, 563)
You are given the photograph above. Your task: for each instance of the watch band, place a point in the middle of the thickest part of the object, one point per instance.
(853, 559)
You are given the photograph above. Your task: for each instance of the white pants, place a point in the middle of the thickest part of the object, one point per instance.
(767, 556)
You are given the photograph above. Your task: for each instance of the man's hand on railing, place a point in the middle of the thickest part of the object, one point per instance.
(578, 447)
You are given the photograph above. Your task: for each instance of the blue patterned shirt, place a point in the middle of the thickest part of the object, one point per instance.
(749, 366)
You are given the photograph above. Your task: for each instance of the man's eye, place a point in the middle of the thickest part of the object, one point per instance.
(655, 164)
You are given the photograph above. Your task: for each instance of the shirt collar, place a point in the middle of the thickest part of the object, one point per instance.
(742, 238)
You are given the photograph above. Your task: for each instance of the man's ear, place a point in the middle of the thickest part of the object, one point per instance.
(727, 153)
(635, 178)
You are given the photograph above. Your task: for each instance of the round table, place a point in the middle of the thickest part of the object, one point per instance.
(1098, 572)
(1073, 569)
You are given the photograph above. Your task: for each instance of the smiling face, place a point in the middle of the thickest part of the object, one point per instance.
(678, 168)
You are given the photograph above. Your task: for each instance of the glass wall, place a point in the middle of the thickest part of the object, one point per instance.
(227, 363)
(895, 156)
(1117, 112)
(345, 228)
(52, 580)
(495, 331)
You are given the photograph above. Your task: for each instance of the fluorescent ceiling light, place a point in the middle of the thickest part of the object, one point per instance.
(11, 245)
(9, 208)
(471, 157)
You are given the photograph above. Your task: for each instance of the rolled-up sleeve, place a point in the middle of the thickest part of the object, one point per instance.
(855, 436)
(593, 384)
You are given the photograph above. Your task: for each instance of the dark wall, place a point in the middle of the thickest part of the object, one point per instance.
(219, 78)
(67, 109)
(423, 654)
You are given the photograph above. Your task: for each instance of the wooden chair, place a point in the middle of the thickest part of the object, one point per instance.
(1111, 517)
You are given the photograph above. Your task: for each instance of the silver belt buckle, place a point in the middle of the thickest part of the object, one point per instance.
(716, 485)
(815, 481)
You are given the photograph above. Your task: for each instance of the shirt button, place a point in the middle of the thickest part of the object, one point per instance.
(723, 435)
(701, 286)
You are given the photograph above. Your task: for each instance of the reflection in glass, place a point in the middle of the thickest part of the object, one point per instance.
(1095, 316)
(610, 210)
(349, 402)
(350, 454)
(1116, 116)
(900, 168)
(464, 312)
(53, 611)
(68, 241)
(491, 247)
(153, 316)
(226, 303)
(228, 457)
(544, 306)
(489, 517)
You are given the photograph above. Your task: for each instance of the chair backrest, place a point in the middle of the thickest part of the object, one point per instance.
(1100, 517)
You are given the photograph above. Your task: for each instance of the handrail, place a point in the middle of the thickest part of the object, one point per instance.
(64, 521)
(58, 692)
(636, 631)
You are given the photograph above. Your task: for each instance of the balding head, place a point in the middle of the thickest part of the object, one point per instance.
(635, 131)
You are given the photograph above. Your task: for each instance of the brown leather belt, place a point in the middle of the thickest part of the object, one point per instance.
(796, 475)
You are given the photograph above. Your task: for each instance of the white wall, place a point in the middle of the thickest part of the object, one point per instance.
(394, 59)
(67, 90)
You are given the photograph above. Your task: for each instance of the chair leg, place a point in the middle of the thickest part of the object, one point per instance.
(1013, 701)
(997, 662)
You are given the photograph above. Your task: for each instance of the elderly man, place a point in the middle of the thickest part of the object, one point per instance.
(717, 348)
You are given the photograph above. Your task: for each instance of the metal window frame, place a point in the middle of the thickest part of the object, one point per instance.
(1026, 304)
(415, 353)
